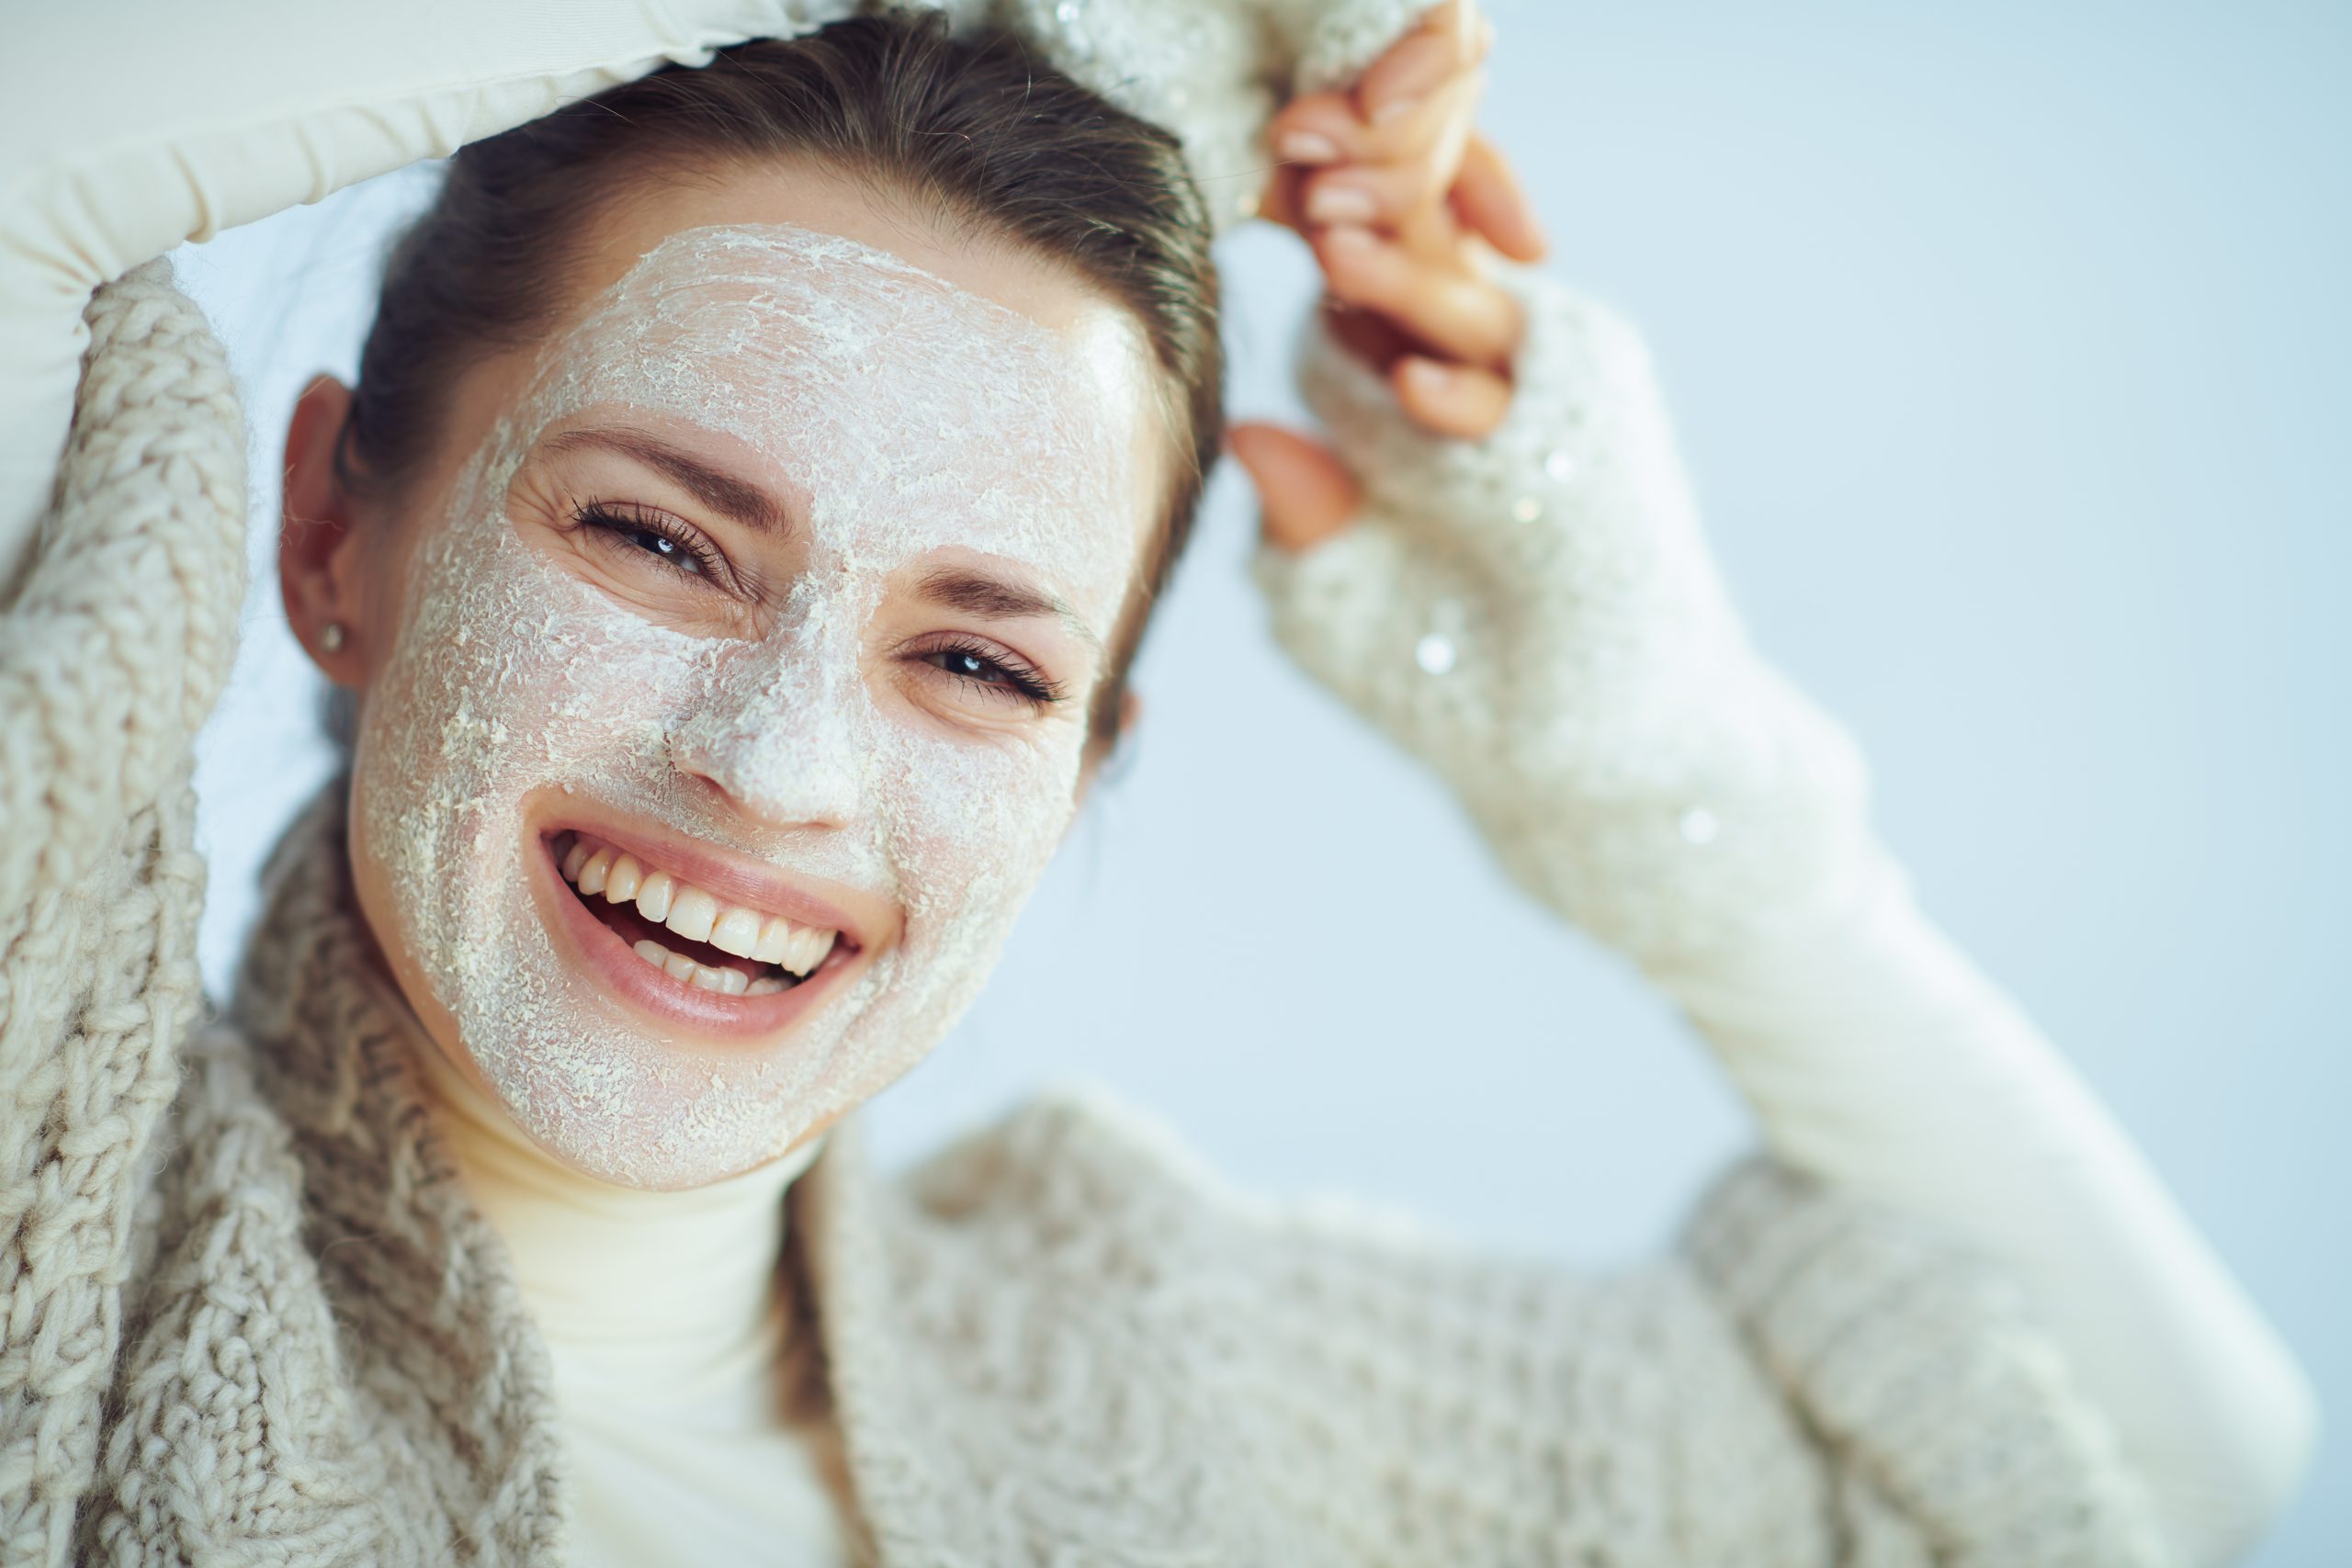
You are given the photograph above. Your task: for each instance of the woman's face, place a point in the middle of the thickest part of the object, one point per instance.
(749, 626)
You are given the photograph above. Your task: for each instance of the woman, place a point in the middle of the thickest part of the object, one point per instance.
(756, 486)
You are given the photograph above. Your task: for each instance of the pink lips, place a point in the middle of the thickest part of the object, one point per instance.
(744, 1019)
(727, 879)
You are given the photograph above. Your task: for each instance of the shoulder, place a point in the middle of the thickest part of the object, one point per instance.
(1367, 1378)
(1078, 1158)
(1094, 1206)
(1072, 1145)
(1077, 1201)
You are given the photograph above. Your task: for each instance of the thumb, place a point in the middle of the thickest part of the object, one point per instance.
(1305, 492)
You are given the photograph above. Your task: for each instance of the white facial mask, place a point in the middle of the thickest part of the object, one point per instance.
(906, 415)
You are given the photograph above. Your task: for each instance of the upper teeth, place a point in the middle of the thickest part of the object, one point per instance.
(698, 915)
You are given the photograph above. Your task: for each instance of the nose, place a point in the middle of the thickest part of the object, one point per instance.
(778, 735)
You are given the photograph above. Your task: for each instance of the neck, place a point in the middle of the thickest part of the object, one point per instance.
(668, 1295)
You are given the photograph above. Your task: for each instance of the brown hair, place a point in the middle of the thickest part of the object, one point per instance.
(973, 129)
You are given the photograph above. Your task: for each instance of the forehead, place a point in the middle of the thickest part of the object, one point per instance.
(769, 330)
(804, 193)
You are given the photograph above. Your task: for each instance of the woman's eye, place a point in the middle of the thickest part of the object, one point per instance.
(660, 545)
(647, 533)
(956, 662)
(998, 676)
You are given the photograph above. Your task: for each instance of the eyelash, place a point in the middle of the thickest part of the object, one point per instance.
(623, 519)
(1019, 680)
(1022, 680)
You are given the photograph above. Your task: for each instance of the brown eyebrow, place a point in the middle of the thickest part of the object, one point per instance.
(746, 504)
(978, 593)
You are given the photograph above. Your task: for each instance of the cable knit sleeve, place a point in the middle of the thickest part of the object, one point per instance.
(1537, 617)
(110, 655)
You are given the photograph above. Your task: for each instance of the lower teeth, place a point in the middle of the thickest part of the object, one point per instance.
(725, 979)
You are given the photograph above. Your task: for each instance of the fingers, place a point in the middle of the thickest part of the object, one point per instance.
(1318, 127)
(1451, 313)
(1395, 192)
(1373, 338)
(1305, 493)
(1460, 401)
(1450, 42)
(1326, 128)
(1489, 199)
(1388, 150)
(1369, 192)
(1279, 201)
(1402, 100)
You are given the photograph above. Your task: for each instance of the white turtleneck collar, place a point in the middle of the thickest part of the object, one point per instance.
(654, 1299)
(667, 1337)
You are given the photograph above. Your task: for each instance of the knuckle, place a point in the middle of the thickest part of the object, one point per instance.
(1346, 196)
(1490, 415)
(1354, 276)
(1427, 182)
(1349, 291)
(1493, 313)
(1323, 112)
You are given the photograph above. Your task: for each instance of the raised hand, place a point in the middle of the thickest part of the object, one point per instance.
(1403, 203)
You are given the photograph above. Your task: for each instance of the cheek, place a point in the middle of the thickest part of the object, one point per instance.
(984, 816)
(496, 672)
(970, 832)
(501, 676)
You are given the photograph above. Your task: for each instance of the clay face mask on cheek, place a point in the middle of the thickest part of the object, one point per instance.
(908, 417)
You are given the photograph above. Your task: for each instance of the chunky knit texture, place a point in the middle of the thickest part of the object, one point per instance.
(110, 656)
(1537, 615)
(279, 1333)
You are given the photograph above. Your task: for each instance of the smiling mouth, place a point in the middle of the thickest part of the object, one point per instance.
(693, 936)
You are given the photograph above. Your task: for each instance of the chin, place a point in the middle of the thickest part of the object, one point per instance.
(649, 1075)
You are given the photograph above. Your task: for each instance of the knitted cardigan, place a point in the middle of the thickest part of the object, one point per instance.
(251, 1315)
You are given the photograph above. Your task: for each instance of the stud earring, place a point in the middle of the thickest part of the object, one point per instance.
(331, 637)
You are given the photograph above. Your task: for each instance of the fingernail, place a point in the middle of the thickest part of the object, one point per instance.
(1393, 109)
(1432, 375)
(1338, 204)
(1308, 147)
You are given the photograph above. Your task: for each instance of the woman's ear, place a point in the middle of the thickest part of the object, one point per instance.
(317, 553)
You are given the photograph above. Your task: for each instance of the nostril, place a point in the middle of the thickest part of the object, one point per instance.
(794, 763)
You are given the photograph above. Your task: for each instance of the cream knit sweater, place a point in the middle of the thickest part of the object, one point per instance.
(268, 1327)
(252, 1316)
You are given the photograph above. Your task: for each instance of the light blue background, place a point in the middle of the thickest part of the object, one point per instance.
(2010, 349)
